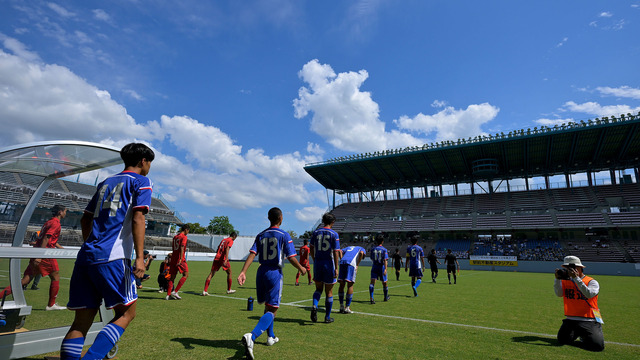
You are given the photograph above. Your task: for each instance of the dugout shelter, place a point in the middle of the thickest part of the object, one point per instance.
(48, 161)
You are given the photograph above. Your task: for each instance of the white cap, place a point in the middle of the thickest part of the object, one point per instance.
(572, 260)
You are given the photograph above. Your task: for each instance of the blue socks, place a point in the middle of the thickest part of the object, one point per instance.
(105, 340)
(371, 291)
(316, 298)
(263, 324)
(341, 297)
(328, 304)
(71, 349)
(270, 332)
(386, 291)
(418, 283)
(349, 298)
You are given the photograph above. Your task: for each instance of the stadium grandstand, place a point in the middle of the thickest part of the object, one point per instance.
(538, 194)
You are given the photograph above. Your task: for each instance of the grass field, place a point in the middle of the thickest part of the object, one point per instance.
(487, 315)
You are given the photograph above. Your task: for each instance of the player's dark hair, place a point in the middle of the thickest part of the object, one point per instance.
(449, 250)
(305, 241)
(397, 250)
(57, 209)
(233, 234)
(274, 215)
(185, 227)
(433, 251)
(133, 153)
(415, 239)
(379, 239)
(328, 218)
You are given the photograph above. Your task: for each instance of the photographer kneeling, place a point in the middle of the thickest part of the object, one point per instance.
(580, 295)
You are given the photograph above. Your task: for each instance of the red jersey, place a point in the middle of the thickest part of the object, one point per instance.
(178, 241)
(304, 255)
(50, 228)
(222, 249)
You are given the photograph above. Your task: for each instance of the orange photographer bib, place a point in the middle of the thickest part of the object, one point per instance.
(575, 303)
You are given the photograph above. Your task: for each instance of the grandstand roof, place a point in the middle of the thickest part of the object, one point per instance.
(57, 158)
(595, 145)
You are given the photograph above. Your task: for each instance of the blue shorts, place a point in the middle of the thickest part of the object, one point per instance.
(377, 272)
(417, 272)
(324, 271)
(112, 281)
(269, 285)
(347, 273)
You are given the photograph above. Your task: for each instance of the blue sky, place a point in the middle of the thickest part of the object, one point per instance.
(236, 97)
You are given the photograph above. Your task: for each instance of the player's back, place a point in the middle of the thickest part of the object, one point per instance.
(271, 246)
(112, 207)
(222, 248)
(378, 255)
(304, 254)
(415, 254)
(350, 255)
(324, 242)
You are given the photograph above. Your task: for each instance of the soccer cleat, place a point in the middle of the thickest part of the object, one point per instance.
(387, 298)
(297, 284)
(204, 293)
(310, 282)
(55, 307)
(415, 292)
(161, 291)
(347, 310)
(341, 309)
(272, 340)
(248, 345)
(167, 297)
(373, 301)
(328, 320)
(230, 291)
(314, 314)
(34, 287)
(174, 295)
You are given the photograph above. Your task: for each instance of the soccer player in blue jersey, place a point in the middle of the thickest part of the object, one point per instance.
(380, 257)
(113, 225)
(415, 263)
(271, 247)
(325, 252)
(351, 257)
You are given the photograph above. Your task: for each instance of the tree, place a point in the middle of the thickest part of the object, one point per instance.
(220, 225)
(292, 234)
(196, 228)
(307, 235)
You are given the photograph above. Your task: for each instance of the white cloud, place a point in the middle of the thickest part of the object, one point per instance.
(134, 94)
(60, 10)
(18, 48)
(313, 148)
(622, 91)
(553, 122)
(451, 123)
(343, 115)
(310, 213)
(605, 14)
(561, 43)
(101, 15)
(595, 109)
(438, 104)
(47, 102)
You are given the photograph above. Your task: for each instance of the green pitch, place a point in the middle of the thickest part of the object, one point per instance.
(487, 315)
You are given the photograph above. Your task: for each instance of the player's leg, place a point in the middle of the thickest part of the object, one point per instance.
(385, 288)
(173, 272)
(341, 294)
(566, 333)
(111, 333)
(71, 347)
(349, 297)
(207, 282)
(328, 302)
(590, 332)
(413, 286)
(54, 288)
(318, 279)
(229, 280)
(372, 285)
(185, 276)
(298, 278)
(449, 275)
(309, 274)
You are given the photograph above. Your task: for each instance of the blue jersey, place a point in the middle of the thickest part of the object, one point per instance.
(350, 255)
(324, 242)
(415, 255)
(378, 255)
(112, 206)
(272, 245)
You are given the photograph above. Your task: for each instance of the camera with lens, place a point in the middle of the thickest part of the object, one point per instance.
(563, 273)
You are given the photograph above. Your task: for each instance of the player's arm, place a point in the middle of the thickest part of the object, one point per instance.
(385, 265)
(243, 274)
(336, 260)
(312, 252)
(86, 224)
(458, 264)
(294, 261)
(361, 255)
(406, 263)
(138, 229)
(422, 259)
(59, 246)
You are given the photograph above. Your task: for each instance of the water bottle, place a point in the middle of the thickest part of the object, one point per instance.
(250, 304)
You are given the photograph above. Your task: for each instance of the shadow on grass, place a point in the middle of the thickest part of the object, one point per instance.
(536, 340)
(278, 319)
(236, 345)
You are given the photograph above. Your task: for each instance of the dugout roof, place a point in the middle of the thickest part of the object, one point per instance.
(610, 143)
(57, 158)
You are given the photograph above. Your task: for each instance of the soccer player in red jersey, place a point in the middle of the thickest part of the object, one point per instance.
(178, 262)
(221, 261)
(304, 261)
(49, 235)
